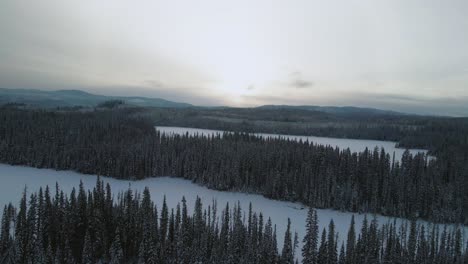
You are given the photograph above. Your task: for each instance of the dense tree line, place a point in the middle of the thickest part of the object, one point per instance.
(437, 134)
(122, 143)
(92, 227)
(283, 121)
(387, 243)
(95, 227)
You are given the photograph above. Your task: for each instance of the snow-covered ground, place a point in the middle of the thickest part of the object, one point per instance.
(355, 145)
(14, 178)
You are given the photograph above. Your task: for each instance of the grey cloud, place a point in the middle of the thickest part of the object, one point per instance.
(257, 100)
(153, 83)
(395, 97)
(298, 82)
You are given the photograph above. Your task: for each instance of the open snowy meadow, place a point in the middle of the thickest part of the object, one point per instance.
(15, 178)
(354, 145)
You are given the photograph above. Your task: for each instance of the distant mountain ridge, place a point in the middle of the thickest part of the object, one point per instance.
(70, 98)
(62, 98)
(344, 110)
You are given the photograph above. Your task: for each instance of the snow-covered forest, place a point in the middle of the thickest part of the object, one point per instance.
(123, 144)
(280, 178)
(354, 145)
(234, 132)
(173, 189)
(98, 226)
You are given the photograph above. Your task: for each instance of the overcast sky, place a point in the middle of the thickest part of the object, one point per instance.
(404, 55)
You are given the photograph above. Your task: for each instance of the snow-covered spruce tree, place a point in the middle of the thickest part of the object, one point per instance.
(287, 254)
(331, 243)
(309, 250)
(322, 256)
(342, 256)
(351, 242)
(116, 251)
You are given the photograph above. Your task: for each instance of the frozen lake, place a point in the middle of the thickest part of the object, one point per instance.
(355, 145)
(15, 178)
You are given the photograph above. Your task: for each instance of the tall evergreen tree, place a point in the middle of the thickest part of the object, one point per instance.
(309, 250)
(351, 242)
(322, 256)
(287, 254)
(331, 243)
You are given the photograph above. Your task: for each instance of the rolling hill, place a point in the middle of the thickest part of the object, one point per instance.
(63, 98)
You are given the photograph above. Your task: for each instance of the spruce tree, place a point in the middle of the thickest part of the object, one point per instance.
(351, 242)
(331, 243)
(342, 257)
(116, 251)
(309, 250)
(322, 256)
(287, 254)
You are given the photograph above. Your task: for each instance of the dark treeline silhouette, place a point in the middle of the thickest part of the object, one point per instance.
(122, 143)
(387, 243)
(440, 135)
(94, 227)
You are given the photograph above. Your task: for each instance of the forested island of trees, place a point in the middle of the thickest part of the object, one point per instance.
(122, 143)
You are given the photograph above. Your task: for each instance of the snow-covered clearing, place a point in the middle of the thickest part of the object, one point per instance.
(15, 178)
(355, 145)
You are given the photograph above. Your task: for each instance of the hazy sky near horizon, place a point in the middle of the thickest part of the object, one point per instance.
(397, 54)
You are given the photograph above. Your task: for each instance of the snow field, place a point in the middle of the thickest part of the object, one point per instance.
(15, 178)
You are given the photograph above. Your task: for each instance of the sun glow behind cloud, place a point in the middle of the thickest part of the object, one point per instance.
(241, 53)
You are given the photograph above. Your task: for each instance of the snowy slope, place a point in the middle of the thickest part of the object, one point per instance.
(15, 178)
(355, 145)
